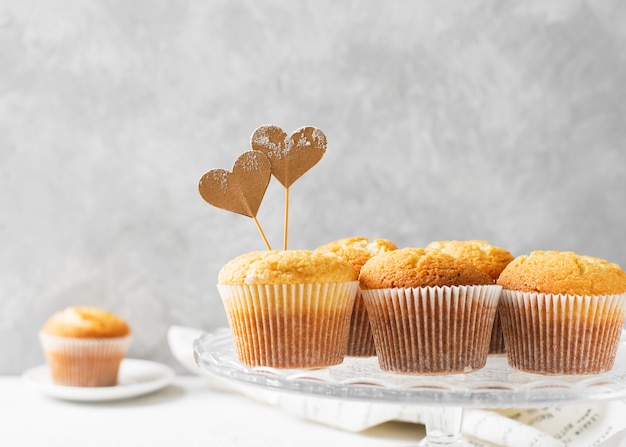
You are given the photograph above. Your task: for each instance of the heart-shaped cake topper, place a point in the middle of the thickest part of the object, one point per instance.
(240, 191)
(290, 156)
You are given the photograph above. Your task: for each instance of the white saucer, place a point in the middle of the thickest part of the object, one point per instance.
(136, 377)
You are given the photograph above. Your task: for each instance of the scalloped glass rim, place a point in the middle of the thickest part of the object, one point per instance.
(495, 385)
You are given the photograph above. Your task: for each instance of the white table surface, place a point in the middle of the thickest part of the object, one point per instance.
(189, 412)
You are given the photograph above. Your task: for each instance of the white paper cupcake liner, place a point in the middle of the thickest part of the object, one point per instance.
(360, 337)
(497, 344)
(87, 362)
(290, 325)
(432, 330)
(562, 334)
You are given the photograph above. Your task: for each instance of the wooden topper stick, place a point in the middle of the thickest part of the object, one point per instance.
(286, 230)
(258, 226)
(290, 157)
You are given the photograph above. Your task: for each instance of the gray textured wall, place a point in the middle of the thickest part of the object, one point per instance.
(456, 119)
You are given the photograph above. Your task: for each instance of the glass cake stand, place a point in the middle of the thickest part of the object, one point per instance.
(495, 386)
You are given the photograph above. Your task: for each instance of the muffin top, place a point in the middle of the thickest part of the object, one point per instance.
(286, 267)
(86, 322)
(419, 267)
(484, 256)
(357, 250)
(563, 272)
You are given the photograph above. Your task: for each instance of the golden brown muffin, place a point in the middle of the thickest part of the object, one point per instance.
(491, 260)
(484, 256)
(86, 322)
(289, 309)
(357, 251)
(286, 267)
(84, 346)
(419, 267)
(563, 272)
(578, 300)
(430, 313)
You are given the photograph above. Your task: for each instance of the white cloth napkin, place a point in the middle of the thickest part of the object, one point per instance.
(583, 425)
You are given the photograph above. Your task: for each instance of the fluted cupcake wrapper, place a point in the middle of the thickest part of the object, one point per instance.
(432, 330)
(562, 334)
(497, 344)
(360, 338)
(85, 362)
(290, 325)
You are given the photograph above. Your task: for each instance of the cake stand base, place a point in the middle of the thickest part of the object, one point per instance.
(443, 427)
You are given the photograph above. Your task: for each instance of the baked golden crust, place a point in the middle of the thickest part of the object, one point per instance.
(286, 267)
(86, 322)
(563, 272)
(483, 255)
(357, 250)
(419, 267)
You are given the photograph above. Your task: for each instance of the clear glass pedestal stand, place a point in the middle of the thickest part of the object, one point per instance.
(443, 427)
(494, 386)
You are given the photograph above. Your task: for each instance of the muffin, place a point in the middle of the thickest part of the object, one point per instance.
(357, 251)
(491, 260)
(562, 313)
(84, 346)
(430, 312)
(289, 308)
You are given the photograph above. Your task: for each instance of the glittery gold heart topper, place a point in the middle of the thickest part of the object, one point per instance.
(273, 152)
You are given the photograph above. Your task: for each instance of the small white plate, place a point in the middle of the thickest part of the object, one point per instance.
(136, 377)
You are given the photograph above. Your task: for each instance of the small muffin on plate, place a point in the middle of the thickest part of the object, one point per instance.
(488, 258)
(357, 251)
(562, 313)
(288, 308)
(84, 346)
(430, 312)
